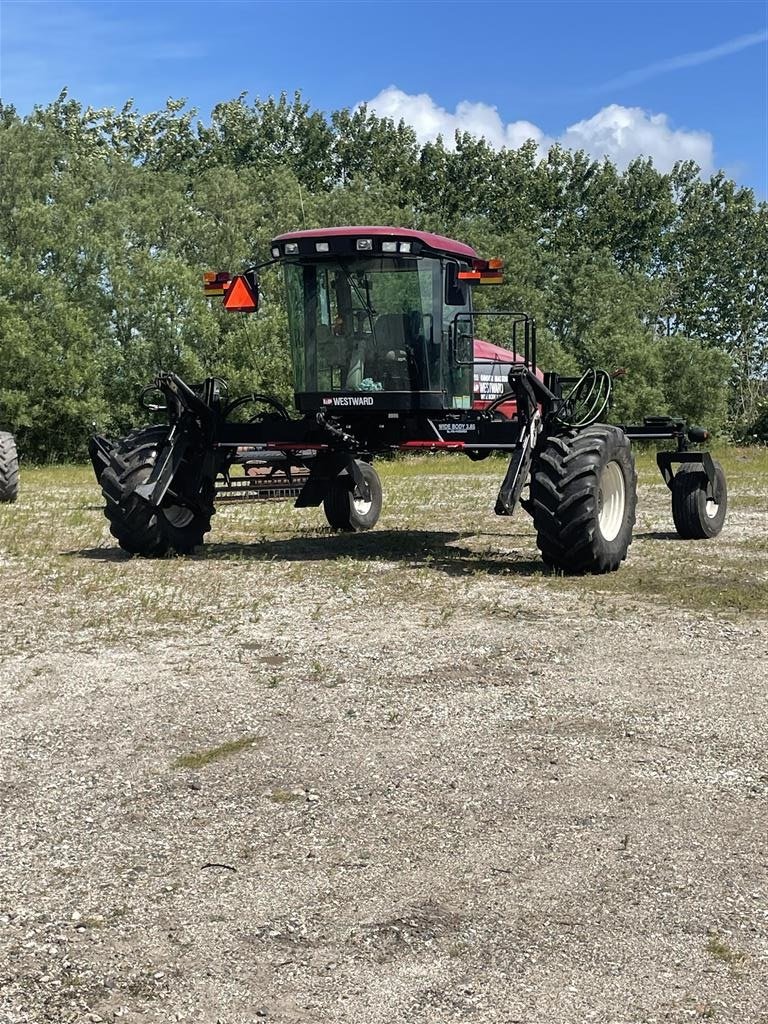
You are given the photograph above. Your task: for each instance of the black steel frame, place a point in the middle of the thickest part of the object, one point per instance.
(204, 443)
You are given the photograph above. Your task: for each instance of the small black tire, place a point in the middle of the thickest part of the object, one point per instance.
(138, 528)
(695, 516)
(9, 467)
(346, 510)
(583, 499)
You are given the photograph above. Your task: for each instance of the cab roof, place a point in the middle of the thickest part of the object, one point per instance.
(437, 243)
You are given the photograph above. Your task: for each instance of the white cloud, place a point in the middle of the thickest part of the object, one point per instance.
(623, 133)
(619, 133)
(428, 120)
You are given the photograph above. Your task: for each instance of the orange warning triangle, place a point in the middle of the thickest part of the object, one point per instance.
(240, 296)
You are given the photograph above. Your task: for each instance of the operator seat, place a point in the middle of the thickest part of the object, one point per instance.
(400, 350)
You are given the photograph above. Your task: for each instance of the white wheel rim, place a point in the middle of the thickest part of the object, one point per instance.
(178, 516)
(712, 508)
(362, 507)
(611, 500)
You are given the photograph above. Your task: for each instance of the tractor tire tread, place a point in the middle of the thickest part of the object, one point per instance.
(138, 528)
(689, 502)
(565, 485)
(338, 503)
(9, 467)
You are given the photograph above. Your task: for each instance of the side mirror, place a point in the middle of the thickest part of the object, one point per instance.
(461, 347)
(455, 290)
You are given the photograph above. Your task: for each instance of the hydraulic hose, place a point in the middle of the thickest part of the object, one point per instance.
(590, 396)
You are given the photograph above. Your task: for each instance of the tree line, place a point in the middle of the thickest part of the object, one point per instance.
(108, 218)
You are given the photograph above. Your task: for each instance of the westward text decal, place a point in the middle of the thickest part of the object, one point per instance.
(349, 400)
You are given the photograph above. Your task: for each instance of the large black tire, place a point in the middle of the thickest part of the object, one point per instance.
(583, 499)
(184, 529)
(346, 510)
(138, 528)
(152, 435)
(9, 468)
(696, 517)
(132, 522)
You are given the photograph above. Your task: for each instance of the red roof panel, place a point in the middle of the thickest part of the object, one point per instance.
(438, 242)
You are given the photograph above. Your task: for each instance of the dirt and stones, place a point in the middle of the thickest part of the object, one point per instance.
(402, 777)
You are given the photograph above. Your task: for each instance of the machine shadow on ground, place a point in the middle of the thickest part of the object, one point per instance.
(658, 535)
(434, 549)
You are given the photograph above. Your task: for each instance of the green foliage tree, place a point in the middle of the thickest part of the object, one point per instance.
(717, 280)
(108, 218)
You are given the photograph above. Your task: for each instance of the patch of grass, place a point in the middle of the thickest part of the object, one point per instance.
(200, 758)
(515, 612)
(681, 579)
(740, 463)
(720, 950)
(750, 501)
(755, 544)
(403, 466)
(437, 533)
(285, 796)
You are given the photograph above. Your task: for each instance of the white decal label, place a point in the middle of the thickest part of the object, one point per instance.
(456, 428)
(349, 400)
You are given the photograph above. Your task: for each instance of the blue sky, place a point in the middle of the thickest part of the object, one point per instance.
(669, 79)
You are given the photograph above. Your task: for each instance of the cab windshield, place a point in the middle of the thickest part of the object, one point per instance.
(365, 324)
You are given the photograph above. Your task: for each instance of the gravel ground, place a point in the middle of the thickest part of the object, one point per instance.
(405, 776)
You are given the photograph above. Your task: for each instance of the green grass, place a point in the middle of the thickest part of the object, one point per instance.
(200, 758)
(444, 464)
(716, 585)
(436, 540)
(722, 951)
